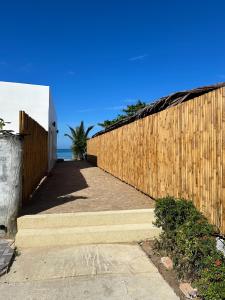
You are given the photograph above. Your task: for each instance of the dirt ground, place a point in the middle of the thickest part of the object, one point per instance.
(77, 186)
(169, 275)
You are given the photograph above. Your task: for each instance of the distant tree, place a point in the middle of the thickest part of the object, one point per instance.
(130, 110)
(79, 137)
(107, 123)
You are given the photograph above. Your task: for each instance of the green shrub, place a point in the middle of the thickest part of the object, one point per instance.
(194, 241)
(190, 240)
(171, 213)
(211, 284)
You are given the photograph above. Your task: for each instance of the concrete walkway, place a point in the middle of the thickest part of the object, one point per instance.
(90, 272)
(77, 186)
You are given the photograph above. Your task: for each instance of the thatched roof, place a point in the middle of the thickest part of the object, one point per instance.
(162, 104)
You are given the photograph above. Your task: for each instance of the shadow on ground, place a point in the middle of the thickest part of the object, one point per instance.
(56, 190)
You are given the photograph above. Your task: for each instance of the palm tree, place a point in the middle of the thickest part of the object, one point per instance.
(79, 137)
(2, 124)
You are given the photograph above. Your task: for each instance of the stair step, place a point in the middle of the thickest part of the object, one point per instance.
(28, 238)
(65, 220)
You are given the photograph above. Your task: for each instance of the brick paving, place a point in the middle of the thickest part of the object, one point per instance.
(77, 186)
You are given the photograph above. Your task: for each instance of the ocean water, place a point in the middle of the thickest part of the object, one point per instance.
(64, 153)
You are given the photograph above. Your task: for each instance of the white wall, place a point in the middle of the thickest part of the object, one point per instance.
(33, 99)
(36, 101)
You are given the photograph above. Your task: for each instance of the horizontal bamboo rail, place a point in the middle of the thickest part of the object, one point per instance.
(179, 152)
(35, 154)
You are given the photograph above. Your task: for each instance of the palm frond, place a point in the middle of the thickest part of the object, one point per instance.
(69, 136)
(79, 139)
(73, 132)
(88, 130)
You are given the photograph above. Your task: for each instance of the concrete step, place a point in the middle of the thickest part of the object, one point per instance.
(28, 238)
(65, 220)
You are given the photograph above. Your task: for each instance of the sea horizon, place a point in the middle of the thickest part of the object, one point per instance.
(64, 153)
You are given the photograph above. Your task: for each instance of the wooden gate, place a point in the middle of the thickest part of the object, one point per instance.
(35, 154)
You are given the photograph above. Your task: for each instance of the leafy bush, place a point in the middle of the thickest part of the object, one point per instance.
(211, 284)
(190, 240)
(194, 241)
(171, 213)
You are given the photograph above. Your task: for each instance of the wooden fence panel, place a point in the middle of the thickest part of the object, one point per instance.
(35, 154)
(179, 151)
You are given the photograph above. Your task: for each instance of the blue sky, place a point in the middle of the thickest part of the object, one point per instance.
(99, 56)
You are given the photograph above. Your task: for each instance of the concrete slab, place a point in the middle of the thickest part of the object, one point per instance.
(121, 287)
(99, 218)
(95, 272)
(48, 263)
(53, 237)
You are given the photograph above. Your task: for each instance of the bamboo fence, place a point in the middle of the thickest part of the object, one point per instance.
(179, 151)
(35, 154)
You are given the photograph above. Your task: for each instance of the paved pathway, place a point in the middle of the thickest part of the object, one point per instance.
(77, 186)
(90, 272)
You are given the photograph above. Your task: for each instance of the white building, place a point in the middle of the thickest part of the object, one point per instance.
(37, 102)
